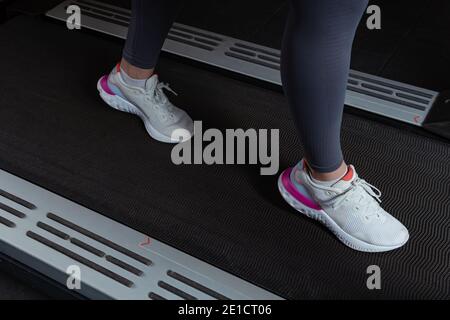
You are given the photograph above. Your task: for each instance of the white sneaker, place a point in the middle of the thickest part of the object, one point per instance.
(350, 208)
(163, 121)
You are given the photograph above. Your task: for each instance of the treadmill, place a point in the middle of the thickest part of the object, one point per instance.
(86, 195)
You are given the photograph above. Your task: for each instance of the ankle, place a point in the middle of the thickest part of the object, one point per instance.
(135, 72)
(330, 176)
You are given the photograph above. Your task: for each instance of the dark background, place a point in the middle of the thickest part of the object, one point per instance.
(412, 47)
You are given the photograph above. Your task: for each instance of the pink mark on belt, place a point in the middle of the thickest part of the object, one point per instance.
(146, 242)
(289, 186)
(105, 86)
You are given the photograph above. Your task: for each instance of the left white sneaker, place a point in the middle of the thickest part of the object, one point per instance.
(350, 208)
(163, 121)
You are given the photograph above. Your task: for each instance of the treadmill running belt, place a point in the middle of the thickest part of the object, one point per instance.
(12, 288)
(56, 132)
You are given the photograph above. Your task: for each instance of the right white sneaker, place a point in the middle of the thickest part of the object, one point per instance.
(350, 208)
(163, 121)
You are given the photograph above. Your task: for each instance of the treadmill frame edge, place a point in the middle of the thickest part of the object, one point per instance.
(45, 260)
(392, 99)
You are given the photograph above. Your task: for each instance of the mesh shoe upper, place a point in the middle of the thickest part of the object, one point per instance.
(153, 102)
(354, 205)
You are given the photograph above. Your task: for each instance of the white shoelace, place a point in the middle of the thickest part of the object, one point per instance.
(163, 85)
(362, 187)
(156, 93)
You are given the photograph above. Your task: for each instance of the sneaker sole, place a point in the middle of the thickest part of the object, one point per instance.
(118, 103)
(327, 221)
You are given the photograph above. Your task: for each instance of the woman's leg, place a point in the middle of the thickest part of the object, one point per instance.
(315, 66)
(132, 87)
(151, 21)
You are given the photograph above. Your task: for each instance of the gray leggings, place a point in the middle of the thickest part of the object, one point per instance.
(315, 64)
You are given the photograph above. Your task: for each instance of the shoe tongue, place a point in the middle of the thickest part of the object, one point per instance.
(347, 179)
(151, 82)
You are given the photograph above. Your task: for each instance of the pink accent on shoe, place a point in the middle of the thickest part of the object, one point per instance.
(105, 87)
(349, 175)
(288, 185)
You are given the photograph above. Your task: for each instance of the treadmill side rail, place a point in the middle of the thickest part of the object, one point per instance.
(374, 94)
(68, 242)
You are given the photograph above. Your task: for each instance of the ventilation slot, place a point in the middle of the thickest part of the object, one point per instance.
(241, 51)
(253, 55)
(87, 247)
(256, 49)
(387, 98)
(205, 41)
(196, 285)
(91, 13)
(197, 33)
(252, 60)
(12, 211)
(103, 13)
(155, 296)
(189, 42)
(110, 20)
(270, 59)
(100, 239)
(116, 10)
(412, 98)
(390, 92)
(376, 88)
(103, 10)
(17, 200)
(7, 223)
(110, 274)
(124, 265)
(391, 85)
(53, 231)
(176, 291)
